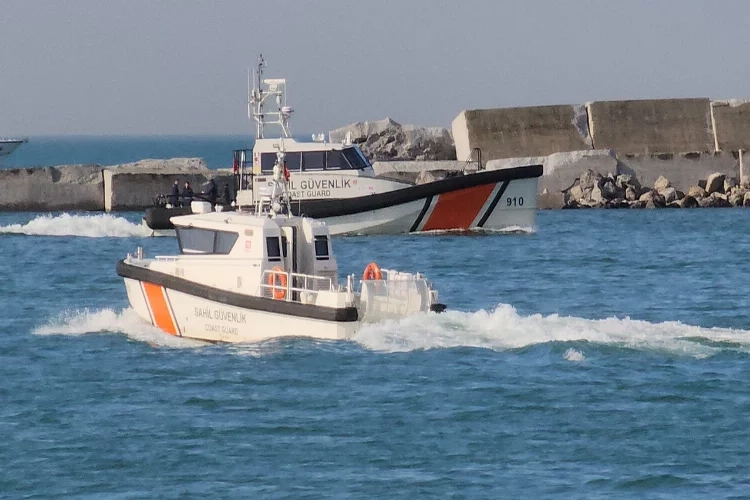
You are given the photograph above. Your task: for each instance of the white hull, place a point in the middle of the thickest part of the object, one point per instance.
(8, 146)
(194, 317)
(492, 207)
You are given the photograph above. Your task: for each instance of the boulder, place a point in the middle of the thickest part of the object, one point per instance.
(662, 183)
(631, 194)
(687, 202)
(669, 194)
(387, 139)
(627, 180)
(637, 204)
(589, 179)
(736, 199)
(730, 183)
(696, 192)
(427, 176)
(715, 183)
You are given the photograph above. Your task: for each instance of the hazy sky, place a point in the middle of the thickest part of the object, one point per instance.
(180, 67)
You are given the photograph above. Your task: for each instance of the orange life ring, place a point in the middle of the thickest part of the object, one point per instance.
(372, 272)
(279, 291)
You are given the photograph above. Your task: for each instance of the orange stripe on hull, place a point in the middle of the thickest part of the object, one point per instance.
(157, 301)
(458, 209)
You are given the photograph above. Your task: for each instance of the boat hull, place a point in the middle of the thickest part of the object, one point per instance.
(489, 200)
(186, 309)
(8, 146)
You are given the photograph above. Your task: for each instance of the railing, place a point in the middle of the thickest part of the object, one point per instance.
(281, 285)
(475, 153)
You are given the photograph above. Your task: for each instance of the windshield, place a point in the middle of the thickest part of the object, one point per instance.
(355, 158)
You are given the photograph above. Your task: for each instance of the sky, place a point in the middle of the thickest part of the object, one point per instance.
(173, 67)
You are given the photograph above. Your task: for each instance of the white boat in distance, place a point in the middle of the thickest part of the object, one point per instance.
(7, 146)
(335, 182)
(246, 276)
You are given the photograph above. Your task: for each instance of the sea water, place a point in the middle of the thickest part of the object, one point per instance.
(606, 354)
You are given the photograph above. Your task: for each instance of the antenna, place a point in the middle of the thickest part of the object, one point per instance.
(274, 87)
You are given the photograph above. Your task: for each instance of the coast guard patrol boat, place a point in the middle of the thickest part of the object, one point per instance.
(335, 183)
(246, 276)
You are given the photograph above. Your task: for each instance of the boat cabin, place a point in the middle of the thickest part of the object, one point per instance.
(259, 253)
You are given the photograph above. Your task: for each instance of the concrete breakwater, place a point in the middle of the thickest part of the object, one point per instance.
(131, 186)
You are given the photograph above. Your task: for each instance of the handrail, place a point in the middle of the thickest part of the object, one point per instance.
(291, 279)
(474, 152)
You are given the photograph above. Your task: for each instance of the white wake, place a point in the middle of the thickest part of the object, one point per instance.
(127, 321)
(91, 226)
(504, 329)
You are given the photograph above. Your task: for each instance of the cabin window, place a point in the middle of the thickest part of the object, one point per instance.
(335, 160)
(267, 161)
(321, 247)
(355, 158)
(225, 242)
(313, 160)
(205, 241)
(273, 248)
(293, 161)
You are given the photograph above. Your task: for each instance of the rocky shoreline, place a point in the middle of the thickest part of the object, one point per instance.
(594, 190)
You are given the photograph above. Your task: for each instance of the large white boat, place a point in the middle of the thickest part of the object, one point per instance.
(246, 276)
(7, 146)
(335, 182)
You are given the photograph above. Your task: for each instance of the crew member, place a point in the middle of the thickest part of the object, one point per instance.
(226, 197)
(175, 196)
(187, 195)
(211, 193)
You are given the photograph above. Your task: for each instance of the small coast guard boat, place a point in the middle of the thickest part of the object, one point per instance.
(335, 183)
(245, 276)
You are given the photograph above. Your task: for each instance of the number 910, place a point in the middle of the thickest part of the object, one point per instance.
(514, 202)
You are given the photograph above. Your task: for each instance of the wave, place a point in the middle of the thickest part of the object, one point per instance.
(504, 329)
(90, 226)
(501, 329)
(127, 321)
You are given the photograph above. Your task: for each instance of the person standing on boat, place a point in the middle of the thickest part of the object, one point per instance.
(175, 196)
(187, 195)
(226, 197)
(211, 194)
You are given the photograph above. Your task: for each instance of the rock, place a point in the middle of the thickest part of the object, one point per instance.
(427, 176)
(746, 200)
(631, 194)
(662, 183)
(610, 190)
(637, 204)
(718, 200)
(730, 183)
(736, 199)
(687, 202)
(669, 194)
(576, 192)
(715, 183)
(389, 140)
(648, 195)
(702, 184)
(627, 180)
(597, 195)
(696, 192)
(589, 179)
(617, 203)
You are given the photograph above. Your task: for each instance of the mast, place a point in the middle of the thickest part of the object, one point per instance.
(257, 96)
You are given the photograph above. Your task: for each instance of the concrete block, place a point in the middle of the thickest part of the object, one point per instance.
(521, 132)
(682, 169)
(652, 126)
(44, 189)
(732, 124)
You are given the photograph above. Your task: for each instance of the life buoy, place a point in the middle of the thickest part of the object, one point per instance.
(279, 291)
(372, 272)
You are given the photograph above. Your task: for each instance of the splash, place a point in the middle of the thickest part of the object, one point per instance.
(478, 231)
(504, 329)
(127, 322)
(573, 355)
(90, 226)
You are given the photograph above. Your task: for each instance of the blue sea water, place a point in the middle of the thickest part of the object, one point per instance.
(44, 151)
(606, 355)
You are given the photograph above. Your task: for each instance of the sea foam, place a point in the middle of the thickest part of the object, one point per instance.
(90, 226)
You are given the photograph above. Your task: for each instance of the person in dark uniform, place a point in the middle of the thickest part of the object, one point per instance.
(187, 195)
(175, 196)
(226, 197)
(211, 193)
